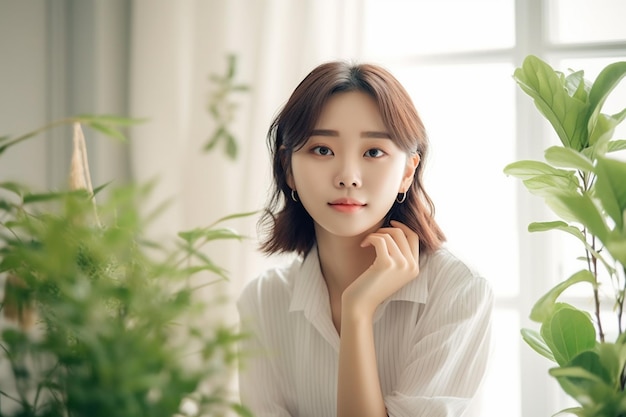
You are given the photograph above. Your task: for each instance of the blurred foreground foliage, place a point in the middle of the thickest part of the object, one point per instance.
(101, 321)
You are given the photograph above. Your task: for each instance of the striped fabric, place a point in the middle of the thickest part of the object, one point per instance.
(432, 341)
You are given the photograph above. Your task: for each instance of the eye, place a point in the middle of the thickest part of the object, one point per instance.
(322, 150)
(374, 153)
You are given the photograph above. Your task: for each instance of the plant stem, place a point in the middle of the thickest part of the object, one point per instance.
(592, 261)
(596, 295)
(6, 395)
(620, 302)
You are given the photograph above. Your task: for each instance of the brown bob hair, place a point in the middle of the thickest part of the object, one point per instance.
(287, 225)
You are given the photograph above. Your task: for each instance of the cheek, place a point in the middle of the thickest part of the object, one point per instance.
(387, 176)
(303, 173)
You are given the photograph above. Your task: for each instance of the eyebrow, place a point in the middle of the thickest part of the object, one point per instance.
(367, 134)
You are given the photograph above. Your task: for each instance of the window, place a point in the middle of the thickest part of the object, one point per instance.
(457, 57)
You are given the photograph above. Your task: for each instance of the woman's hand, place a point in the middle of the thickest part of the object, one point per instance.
(396, 263)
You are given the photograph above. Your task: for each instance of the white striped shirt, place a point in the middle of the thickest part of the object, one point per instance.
(432, 340)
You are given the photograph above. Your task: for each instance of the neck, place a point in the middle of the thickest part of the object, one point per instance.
(342, 260)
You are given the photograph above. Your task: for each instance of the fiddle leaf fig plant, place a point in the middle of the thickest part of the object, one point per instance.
(584, 183)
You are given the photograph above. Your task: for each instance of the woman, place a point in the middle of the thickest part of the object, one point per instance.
(374, 317)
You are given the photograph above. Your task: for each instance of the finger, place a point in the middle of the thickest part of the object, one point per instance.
(412, 237)
(400, 239)
(388, 253)
(378, 241)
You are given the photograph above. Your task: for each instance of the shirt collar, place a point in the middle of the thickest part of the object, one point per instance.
(310, 293)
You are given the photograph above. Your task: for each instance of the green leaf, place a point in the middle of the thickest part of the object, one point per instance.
(577, 383)
(14, 337)
(577, 411)
(545, 226)
(577, 86)
(107, 130)
(583, 209)
(39, 197)
(616, 145)
(568, 158)
(575, 372)
(241, 410)
(235, 216)
(615, 244)
(14, 187)
(535, 341)
(101, 187)
(568, 332)
(223, 233)
(545, 306)
(613, 358)
(191, 270)
(527, 169)
(231, 147)
(108, 120)
(240, 88)
(210, 234)
(232, 66)
(611, 188)
(215, 138)
(557, 225)
(602, 87)
(567, 115)
(207, 264)
(603, 131)
(572, 230)
(192, 235)
(591, 362)
(550, 185)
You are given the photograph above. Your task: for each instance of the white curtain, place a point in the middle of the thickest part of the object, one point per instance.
(175, 46)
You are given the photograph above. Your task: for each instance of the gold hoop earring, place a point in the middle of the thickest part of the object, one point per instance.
(294, 196)
(401, 199)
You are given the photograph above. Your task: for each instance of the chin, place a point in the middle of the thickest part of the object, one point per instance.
(345, 230)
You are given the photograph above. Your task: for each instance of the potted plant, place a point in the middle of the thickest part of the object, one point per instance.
(585, 187)
(105, 322)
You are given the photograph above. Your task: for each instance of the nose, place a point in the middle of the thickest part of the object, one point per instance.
(348, 176)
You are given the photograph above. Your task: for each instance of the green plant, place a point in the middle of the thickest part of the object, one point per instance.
(222, 108)
(586, 188)
(108, 324)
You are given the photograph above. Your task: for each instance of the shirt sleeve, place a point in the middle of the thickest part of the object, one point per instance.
(259, 380)
(449, 350)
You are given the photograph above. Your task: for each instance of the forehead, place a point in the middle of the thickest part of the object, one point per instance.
(350, 109)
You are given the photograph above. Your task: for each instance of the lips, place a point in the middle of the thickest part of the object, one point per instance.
(346, 202)
(346, 205)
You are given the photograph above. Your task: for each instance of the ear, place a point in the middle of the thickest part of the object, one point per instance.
(412, 162)
(289, 178)
(288, 173)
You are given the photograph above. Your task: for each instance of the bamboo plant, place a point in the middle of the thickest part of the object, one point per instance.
(104, 322)
(584, 184)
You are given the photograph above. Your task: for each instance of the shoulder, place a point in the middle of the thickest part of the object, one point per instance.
(444, 261)
(448, 274)
(272, 288)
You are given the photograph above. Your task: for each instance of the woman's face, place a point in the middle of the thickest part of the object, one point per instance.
(349, 171)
